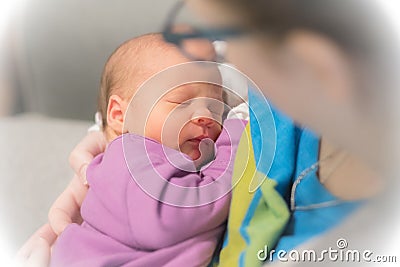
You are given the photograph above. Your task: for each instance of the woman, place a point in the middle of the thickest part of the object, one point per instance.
(325, 66)
(322, 64)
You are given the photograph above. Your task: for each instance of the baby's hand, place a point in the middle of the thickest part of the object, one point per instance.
(207, 153)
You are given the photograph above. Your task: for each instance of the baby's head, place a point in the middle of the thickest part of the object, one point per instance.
(179, 118)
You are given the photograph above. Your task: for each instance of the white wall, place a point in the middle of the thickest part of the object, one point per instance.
(61, 47)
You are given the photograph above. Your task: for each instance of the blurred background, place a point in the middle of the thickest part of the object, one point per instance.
(54, 51)
(51, 58)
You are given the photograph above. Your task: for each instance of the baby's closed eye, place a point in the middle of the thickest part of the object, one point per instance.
(179, 103)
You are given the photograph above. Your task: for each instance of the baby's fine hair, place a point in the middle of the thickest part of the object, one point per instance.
(124, 69)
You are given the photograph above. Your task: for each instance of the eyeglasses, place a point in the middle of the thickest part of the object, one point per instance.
(195, 42)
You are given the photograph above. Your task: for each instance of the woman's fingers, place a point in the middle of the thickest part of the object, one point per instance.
(66, 209)
(36, 251)
(40, 256)
(47, 233)
(59, 220)
(91, 145)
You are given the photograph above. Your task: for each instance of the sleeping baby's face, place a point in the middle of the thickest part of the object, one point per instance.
(143, 103)
(186, 115)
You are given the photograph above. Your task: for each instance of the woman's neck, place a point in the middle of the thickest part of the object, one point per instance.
(345, 176)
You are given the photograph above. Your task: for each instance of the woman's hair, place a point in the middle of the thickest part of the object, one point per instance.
(354, 24)
(358, 27)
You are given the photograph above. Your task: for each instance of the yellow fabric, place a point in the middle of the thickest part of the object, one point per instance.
(266, 211)
(241, 198)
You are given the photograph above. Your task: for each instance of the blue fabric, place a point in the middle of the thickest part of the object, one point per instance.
(305, 224)
(281, 152)
(296, 150)
(278, 164)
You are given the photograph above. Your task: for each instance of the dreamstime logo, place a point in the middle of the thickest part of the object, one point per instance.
(341, 243)
(338, 254)
(139, 120)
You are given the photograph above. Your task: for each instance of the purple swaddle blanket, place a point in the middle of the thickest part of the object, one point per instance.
(126, 224)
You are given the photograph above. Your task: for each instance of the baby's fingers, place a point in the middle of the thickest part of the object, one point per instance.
(207, 152)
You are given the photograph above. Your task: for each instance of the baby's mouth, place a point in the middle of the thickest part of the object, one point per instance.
(198, 139)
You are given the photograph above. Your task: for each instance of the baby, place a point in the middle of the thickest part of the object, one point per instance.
(155, 198)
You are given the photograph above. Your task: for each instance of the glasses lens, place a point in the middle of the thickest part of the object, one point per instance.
(195, 33)
(192, 42)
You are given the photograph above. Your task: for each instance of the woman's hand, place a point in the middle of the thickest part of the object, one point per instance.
(66, 209)
(36, 251)
(93, 144)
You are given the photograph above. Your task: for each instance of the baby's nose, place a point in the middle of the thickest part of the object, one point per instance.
(203, 121)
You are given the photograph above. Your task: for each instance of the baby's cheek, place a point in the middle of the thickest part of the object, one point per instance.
(153, 131)
(216, 132)
(190, 150)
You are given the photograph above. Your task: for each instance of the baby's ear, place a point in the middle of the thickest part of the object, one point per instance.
(115, 113)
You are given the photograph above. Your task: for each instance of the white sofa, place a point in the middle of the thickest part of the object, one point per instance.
(34, 171)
